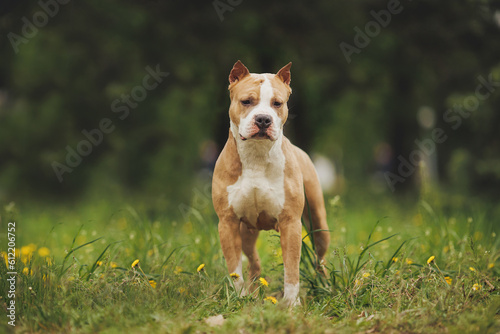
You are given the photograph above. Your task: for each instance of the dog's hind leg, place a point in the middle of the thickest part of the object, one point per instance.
(249, 240)
(314, 207)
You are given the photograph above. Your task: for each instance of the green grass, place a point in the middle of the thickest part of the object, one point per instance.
(379, 279)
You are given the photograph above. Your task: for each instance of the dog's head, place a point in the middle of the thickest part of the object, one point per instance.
(258, 102)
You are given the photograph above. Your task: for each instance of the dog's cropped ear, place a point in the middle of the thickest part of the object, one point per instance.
(284, 74)
(238, 72)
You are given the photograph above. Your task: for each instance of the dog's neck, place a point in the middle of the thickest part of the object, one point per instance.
(254, 152)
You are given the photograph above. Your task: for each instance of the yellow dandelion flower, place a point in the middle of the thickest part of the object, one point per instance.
(472, 269)
(182, 290)
(431, 259)
(397, 272)
(271, 299)
(409, 261)
(476, 287)
(394, 259)
(152, 283)
(491, 265)
(448, 279)
(263, 281)
(151, 252)
(27, 253)
(177, 270)
(357, 283)
(99, 263)
(49, 261)
(27, 271)
(366, 275)
(234, 276)
(44, 252)
(113, 265)
(201, 267)
(30, 248)
(135, 263)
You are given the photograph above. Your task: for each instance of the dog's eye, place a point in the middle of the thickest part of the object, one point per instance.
(245, 102)
(277, 104)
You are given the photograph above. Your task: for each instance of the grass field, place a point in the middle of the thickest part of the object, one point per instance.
(424, 268)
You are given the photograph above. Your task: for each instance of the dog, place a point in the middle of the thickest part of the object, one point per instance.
(260, 179)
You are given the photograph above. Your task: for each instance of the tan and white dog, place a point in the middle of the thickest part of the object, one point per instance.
(260, 178)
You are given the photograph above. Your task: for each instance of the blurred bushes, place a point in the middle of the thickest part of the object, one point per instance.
(65, 79)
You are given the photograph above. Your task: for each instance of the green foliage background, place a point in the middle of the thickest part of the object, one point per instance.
(65, 78)
(144, 192)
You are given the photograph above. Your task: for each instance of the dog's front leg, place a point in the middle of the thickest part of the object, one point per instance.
(291, 244)
(230, 239)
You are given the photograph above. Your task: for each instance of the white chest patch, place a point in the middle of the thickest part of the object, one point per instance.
(260, 186)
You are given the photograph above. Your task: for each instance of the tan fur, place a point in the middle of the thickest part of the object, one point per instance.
(238, 234)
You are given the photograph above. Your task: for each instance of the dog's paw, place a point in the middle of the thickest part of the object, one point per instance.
(291, 303)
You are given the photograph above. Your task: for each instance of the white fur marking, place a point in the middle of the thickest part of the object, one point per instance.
(264, 107)
(239, 282)
(291, 296)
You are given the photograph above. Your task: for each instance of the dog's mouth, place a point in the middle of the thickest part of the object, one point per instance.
(262, 134)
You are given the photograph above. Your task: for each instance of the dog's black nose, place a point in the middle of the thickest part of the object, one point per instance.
(263, 121)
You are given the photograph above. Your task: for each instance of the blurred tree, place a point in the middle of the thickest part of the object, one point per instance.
(64, 80)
